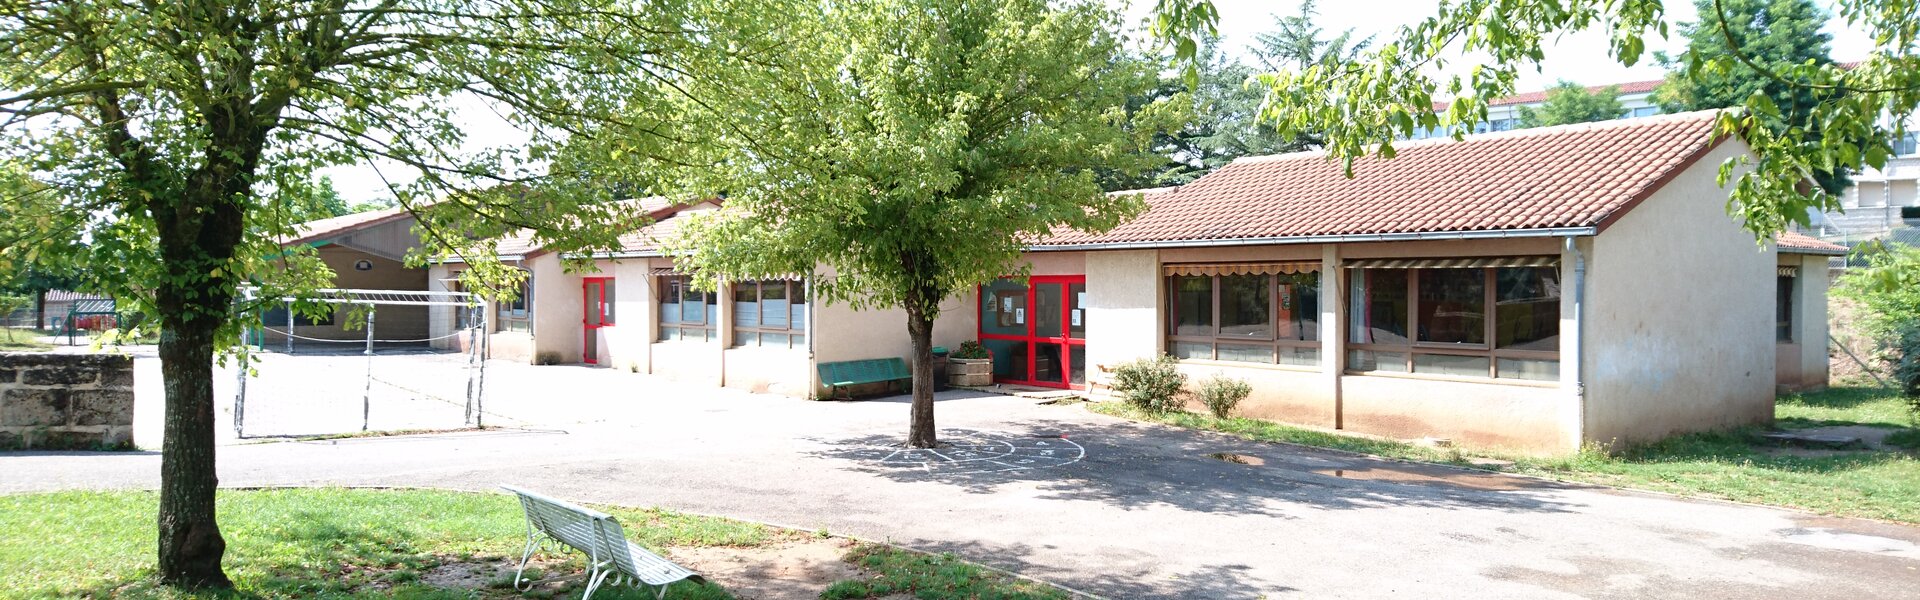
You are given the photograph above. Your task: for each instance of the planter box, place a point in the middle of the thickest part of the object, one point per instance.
(969, 372)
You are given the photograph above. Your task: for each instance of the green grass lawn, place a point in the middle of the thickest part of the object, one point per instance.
(23, 341)
(341, 543)
(1730, 465)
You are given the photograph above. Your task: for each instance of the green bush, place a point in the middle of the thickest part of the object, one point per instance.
(1221, 394)
(1888, 288)
(1151, 384)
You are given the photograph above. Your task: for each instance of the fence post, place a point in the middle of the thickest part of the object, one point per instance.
(366, 397)
(289, 327)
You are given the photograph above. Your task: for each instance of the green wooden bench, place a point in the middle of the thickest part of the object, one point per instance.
(836, 375)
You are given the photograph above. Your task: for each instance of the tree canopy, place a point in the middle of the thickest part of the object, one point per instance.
(1569, 102)
(909, 150)
(1364, 106)
(180, 137)
(1777, 34)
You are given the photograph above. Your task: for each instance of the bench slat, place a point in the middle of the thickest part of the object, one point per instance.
(599, 536)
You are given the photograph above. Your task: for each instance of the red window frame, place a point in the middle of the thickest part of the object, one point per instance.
(591, 304)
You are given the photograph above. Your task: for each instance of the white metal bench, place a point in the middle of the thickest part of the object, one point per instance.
(600, 537)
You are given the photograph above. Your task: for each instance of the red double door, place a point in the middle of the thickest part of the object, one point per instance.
(1036, 331)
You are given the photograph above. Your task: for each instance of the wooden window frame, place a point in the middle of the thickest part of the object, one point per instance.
(708, 329)
(1272, 341)
(795, 289)
(1489, 315)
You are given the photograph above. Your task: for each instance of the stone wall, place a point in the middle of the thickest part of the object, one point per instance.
(69, 401)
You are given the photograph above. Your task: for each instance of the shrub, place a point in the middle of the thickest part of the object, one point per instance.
(970, 349)
(1888, 290)
(1151, 384)
(1221, 394)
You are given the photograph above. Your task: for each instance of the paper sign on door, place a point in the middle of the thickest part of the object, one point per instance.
(1076, 317)
(1020, 316)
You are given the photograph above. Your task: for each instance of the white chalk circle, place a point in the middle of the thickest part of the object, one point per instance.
(964, 452)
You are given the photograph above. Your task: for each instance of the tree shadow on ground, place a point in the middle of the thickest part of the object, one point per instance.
(1131, 466)
(1224, 581)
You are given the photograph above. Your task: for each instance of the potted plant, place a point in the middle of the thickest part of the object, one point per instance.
(970, 366)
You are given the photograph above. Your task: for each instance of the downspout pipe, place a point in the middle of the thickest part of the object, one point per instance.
(1576, 374)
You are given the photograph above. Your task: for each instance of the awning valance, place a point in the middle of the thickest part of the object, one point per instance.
(1787, 271)
(1455, 263)
(664, 272)
(1250, 268)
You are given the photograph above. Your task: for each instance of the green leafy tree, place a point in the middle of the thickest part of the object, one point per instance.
(1568, 102)
(311, 201)
(912, 149)
(1777, 34)
(178, 135)
(1364, 106)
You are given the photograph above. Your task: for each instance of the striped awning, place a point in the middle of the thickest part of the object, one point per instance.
(1788, 271)
(664, 272)
(1455, 263)
(1251, 268)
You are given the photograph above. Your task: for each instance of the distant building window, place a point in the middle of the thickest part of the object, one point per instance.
(1505, 124)
(1783, 309)
(1646, 111)
(770, 314)
(516, 314)
(686, 313)
(1501, 322)
(1907, 144)
(1270, 318)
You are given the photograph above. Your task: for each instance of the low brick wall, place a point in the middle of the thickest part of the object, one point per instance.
(65, 400)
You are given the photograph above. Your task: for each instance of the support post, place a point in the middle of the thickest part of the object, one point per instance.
(366, 396)
(480, 389)
(240, 395)
(289, 328)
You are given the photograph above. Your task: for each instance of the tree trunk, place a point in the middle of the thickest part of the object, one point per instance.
(920, 327)
(190, 541)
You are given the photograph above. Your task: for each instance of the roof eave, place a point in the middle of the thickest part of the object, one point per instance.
(1479, 234)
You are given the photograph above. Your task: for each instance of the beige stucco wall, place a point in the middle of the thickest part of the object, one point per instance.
(1505, 416)
(390, 322)
(1123, 307)
(1679, 331)
(1802, 364)
(628, 343)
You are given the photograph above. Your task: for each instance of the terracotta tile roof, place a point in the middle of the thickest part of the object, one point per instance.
(1573, 176)
(314, 231)
(1631, 87)
(1792, 242)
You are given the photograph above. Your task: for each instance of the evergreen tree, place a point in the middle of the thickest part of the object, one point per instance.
(1781, 34)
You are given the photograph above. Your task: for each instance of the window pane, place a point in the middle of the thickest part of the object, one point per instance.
(773, 304)
(1244, 301)
(592, 296)
(745, 338)
(1528, 314)
(1299, 357)
(1368, 360)
(1004, 308)
(1379, 316)
(1443, 364)
(1453, 306)
(1193, 306)
(668, 334)
(607, 308)
(799, 340)
(1533, 370)
(797, 315)
(1192, 350)
(773, 340)
(746, 305)
(712, 309)
(1253, 354)
(693, 311)
(1783, 309)
(1299, 306)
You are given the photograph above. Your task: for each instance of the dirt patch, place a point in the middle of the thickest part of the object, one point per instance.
(1238, 459)
(1874, 440)
(796, 570)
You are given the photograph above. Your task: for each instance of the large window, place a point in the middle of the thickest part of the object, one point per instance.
(517, 314)
(1501, 322)
(1783, 307)
(770, 314)
(686, 313)
(1267, 318)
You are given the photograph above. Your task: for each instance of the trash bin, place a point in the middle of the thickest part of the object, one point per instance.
(939, 368)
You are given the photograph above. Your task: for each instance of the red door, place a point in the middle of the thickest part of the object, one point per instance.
(1037, 331)
(597, 292)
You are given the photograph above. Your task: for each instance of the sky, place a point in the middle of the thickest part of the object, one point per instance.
(1580, 57)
